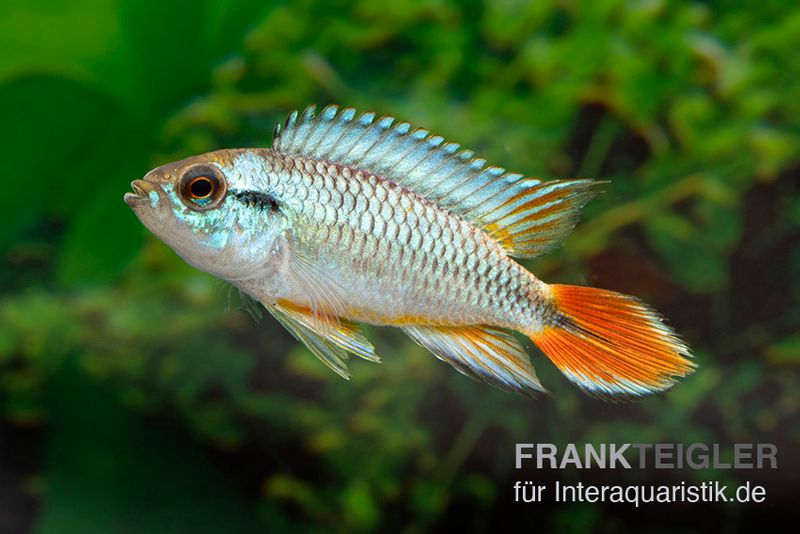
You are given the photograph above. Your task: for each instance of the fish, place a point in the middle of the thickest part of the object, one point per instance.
(353, 218)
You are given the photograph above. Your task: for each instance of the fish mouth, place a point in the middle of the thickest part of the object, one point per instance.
(141, 192)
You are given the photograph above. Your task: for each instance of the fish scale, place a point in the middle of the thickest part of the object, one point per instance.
(436, 240)
(358, 218)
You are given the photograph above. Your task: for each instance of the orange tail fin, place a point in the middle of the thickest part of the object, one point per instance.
(612, 344)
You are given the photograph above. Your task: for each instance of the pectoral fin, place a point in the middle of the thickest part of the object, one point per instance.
(488, 354)
(330, 341)
(325, 295)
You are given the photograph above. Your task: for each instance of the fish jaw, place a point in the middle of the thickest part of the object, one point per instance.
(148, 201)
(144, 192)
(153, 206)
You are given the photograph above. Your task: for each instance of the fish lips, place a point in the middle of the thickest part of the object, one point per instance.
(141, 193)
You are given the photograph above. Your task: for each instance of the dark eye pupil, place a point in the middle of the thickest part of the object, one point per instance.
(201, 187)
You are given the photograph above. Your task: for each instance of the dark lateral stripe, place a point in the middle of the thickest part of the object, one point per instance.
(256, 199)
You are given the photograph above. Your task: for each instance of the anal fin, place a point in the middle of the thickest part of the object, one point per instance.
(488, 354)
(330, 341)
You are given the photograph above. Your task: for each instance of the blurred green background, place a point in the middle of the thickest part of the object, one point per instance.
(138, 395)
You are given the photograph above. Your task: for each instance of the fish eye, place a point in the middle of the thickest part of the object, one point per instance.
(202, 187)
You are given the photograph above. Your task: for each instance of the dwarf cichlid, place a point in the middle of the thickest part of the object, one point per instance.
(353, 219)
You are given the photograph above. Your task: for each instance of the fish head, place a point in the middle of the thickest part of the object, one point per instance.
(210, 210)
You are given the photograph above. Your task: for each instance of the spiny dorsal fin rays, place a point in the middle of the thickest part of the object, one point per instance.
(502, 203)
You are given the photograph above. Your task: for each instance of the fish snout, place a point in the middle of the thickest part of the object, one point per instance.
(141, 192)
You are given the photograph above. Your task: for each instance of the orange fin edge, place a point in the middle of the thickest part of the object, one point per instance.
(612, 345)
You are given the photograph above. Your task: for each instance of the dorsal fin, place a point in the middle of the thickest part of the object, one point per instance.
(525, 215)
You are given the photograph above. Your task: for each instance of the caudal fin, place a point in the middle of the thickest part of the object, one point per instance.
(611, 344)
